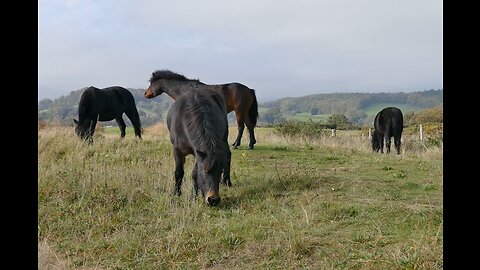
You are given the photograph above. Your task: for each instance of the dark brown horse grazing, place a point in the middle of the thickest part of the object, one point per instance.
(197, 122)
(388, 123)
(104, 105)
(237, 97)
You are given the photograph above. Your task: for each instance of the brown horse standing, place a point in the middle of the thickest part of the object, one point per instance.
(237, 97)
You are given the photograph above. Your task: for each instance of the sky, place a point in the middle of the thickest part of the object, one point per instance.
(279, 48)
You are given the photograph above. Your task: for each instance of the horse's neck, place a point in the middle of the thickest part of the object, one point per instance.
(177, 88)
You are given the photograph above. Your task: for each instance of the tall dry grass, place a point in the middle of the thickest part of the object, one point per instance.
(296, 203)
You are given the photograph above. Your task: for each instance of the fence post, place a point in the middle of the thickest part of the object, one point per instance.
(334, 131)
(421, 133)
(369, 133)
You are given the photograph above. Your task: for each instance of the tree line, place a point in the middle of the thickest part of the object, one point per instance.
(352, 105)
(344, 108)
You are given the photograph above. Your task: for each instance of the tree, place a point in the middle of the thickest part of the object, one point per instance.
(358, 117)
(44, 104)
(339, 120)
(272, 116)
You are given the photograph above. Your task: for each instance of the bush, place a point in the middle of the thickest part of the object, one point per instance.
(432, 132)
(339, 121)
(308, 128)
(432, 115)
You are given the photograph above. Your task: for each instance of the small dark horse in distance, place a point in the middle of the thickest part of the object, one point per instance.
(388, 122)
(105, 105)
(237, 97)
(197, 123)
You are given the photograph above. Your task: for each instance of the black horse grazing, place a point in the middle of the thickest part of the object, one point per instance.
(104, 105)
(388, 122)
(237, 97)
(197, 122)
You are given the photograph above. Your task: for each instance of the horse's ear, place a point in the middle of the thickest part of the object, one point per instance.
(75, 121)
(201, 154)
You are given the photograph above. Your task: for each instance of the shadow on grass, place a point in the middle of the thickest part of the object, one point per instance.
(263, 189)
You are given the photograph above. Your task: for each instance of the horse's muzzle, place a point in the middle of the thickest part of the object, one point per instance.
(212, 198)
(212, 201)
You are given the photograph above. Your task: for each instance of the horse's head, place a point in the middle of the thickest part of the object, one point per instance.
(83, 128)
(208, 177)
(154, 89)
(376, 141)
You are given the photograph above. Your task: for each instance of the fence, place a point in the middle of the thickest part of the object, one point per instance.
(421, 134)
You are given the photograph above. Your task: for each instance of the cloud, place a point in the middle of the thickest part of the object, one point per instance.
(277, 47)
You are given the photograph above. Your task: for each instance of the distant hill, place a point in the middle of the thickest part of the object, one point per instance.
(359, 108)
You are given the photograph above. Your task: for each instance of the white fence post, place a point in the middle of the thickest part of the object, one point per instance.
(369, 133)
(334, 131)
(421, 133)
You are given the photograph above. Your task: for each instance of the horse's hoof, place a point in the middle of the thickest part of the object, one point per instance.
(250, 147)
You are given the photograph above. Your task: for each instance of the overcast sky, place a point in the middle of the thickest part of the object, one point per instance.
(279, 48)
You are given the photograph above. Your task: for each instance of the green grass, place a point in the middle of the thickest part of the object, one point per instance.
(294, 204)
(115, 130)
(373, 109)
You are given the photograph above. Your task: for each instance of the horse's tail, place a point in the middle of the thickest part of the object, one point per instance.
(137, 116)
(253, 113)
(133, 111)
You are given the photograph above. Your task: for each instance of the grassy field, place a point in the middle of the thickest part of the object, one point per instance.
(328, 203)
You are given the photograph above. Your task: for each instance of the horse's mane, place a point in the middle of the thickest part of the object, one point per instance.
(203, 123)
(168, 75)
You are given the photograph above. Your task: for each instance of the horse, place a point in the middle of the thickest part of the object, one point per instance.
(237, 97)
(388, 122)
(105, 105)
(197, 123)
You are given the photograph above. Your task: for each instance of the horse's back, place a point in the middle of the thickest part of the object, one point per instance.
(107, 103)
(237, 96)
(107, 94)
(91, 103)
(194, 111)
(118, 92)
(186, 106)
(390, 120)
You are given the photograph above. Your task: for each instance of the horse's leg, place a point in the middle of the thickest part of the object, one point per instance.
(397, 141)
(250, 128)
(226, 171)
(195, 182)
(387, 141)
(179, 163)
(121, 125)
(382, 138)
(241, 127)
(93, 124)
(135, 119)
